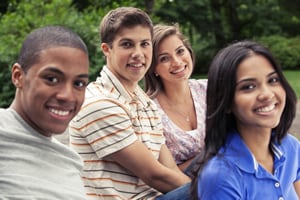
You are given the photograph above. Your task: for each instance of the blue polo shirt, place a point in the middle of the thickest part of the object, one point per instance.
(235, 174)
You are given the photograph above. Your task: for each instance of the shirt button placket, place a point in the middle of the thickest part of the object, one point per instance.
(277, 186)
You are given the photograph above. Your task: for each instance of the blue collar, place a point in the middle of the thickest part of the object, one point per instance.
(238, 153)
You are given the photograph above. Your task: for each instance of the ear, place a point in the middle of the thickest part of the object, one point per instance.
(105, 49)
(17, 75)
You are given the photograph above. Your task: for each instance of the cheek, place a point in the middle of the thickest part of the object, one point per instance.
(282, 96)
(148, 53)
(162, 69)
(187, 58)
(80, 97)
(240, 105)
(30, 88)
(121, 56)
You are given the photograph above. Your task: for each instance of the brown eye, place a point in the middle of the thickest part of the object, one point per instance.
(52, 79)
(247, 87)
(164, 59)
(181, 51)
(274, 80)
(126, 44)
(145, 44)
(80, 84)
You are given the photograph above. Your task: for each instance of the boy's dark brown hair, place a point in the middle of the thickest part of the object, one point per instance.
(123, 17)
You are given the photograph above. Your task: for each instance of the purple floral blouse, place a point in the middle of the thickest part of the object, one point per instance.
(184, 145)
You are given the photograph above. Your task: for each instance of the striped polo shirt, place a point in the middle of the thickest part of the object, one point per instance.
(110, 120)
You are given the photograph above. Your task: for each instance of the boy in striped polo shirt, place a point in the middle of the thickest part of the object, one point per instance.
(118, 131)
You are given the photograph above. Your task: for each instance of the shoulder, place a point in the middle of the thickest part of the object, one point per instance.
(218, 178)
(100, 111)
(290, 141)
(8, 117)
(198, 82)
(289, 144)
(198, 85)
(198, 88)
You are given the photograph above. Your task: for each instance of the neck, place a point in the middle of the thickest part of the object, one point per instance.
(258, 142)
(176, 94)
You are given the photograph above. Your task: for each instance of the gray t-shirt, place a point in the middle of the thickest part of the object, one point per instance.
(33, 166)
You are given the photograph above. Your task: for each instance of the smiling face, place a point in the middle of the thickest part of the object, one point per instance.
(130, 55)
(174, 61)
(52, 91)
(259, 97)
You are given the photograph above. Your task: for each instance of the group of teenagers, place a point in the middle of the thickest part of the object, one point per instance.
(225, 137)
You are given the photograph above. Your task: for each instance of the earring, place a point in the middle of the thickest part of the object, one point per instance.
(156, 74)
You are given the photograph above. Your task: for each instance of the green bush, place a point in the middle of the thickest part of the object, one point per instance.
(26, 15)
(286, 50)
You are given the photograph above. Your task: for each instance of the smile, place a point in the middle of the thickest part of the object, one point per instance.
(266, 109)
(136, 65)
(179, 70)
(59, 112)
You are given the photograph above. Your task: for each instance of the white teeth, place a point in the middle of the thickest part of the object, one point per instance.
(179, 70)
(136, 65)
(266, 109)
(59, 112)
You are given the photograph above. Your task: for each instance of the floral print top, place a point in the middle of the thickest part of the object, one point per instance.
(184, 145)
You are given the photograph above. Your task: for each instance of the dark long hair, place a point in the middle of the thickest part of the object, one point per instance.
(220, 94)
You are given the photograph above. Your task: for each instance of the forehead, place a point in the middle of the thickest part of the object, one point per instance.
(254, 66)
(134, 33)
(63, 58)
(170, 42)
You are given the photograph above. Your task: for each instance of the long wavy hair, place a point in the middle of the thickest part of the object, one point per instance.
(220, 96)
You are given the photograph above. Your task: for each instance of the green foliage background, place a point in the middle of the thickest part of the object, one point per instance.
(208, 24)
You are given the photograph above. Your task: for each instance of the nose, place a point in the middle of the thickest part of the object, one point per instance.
(138, 52)
(265, 93)
(66, 92)
(176, 61)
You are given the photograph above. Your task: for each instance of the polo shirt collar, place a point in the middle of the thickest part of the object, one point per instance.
(238, 153)
(112, 84)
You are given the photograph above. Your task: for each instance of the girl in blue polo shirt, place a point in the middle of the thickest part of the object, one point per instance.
(249, 154)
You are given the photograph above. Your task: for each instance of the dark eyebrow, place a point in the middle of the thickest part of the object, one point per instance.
(84, 76)
(162, 54)
(253, 79)
(272, 73)
(54, 70)
(57, 71)
(181, 46)
(125, 39)
(144, 40)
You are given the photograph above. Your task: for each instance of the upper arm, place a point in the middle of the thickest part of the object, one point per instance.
(218, 180)
(297, 188)
(136, 157)
(103, 125)
(297, 183)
